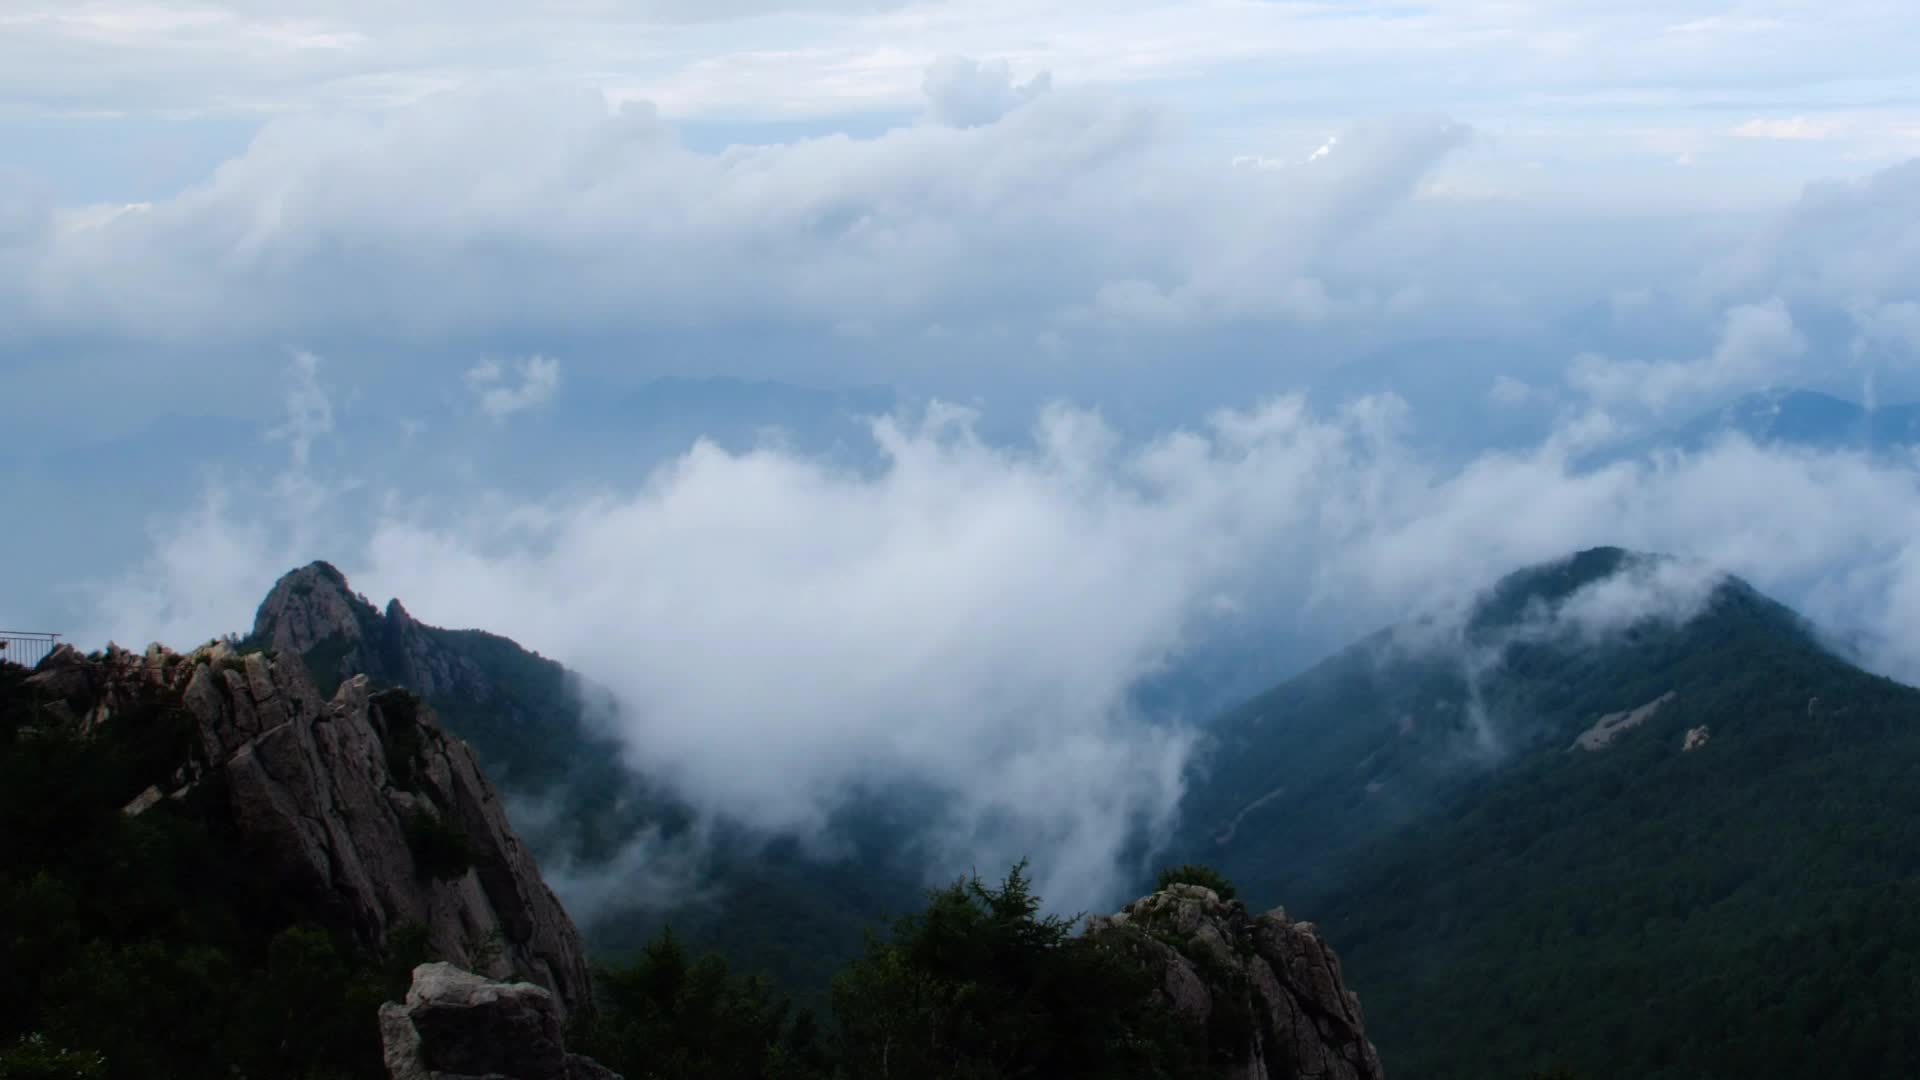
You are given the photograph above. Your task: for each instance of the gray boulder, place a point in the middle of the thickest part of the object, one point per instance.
(455, 1025)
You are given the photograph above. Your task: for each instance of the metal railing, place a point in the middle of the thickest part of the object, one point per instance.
(26, 647)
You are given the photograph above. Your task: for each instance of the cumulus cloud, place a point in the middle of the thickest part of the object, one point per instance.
(498, 396)
(1843, 245)
(962, 92)
(534, 211)
(1756, 346)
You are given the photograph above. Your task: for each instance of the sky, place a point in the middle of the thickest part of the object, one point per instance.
(1059, 349)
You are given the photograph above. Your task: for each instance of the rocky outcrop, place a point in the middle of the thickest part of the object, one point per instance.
(1611, 726)
(365, 810)
(456, 1025)
(1263, 991)
(313, 613)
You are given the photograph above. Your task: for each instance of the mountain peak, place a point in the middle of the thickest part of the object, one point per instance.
(309, 608)
(313, 613)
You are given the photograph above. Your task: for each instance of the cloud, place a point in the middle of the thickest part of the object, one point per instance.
(1843, 245)
(650, 872)
(962, 92)
(1511, 393)
(1797, 127)
(1891, 331)
(530, 212)
(498, 397)
(1757, 344)
(309, 411)
(1661, 590)
(970, 621)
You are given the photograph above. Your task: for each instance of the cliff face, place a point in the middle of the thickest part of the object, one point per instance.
(1264, 989)
(363, 808)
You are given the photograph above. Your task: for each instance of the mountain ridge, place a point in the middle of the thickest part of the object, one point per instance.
(1508, 896)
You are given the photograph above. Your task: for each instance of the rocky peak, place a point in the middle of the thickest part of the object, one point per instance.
(1266, 985)
(311, 607)
(361, 806)
(313, 613)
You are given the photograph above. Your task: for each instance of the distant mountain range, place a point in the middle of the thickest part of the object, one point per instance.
(1805, 418)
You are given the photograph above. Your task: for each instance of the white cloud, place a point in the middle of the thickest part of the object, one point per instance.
(1845, 245)
(967, 93)
(1511, 393)
(1797, 128)
(1891, 330)
(537, 212)
(1757, 345)
(498, 396)
(309, 411)
(967, 619)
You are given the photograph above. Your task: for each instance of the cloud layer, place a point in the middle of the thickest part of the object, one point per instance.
(540, 210)
(969, 619)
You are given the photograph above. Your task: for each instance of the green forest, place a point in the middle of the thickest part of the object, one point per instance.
(1744, 909)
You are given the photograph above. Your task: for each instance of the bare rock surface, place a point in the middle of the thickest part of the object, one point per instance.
(1613, 725)
(455, 1025)
(313, 612)
(361, 805)
(1267, 983)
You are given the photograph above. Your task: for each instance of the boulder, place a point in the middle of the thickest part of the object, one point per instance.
(455, 1025)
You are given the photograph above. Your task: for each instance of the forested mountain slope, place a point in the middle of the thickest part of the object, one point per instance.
(1617, 816)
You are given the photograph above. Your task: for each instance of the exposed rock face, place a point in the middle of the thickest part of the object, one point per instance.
(456, 1025)
(365, 809)
(1266, 983)
(1612, 725)
(313, 612)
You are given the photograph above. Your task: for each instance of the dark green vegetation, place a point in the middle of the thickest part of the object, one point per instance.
(1505, 905)
(669, 1016)
(982, 985)
(149, 947)
(979, 985)
(1197, 874)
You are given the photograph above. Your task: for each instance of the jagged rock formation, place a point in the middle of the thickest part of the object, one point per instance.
(365, 810)
(313, 613)
(1265, 990)
(455, 1024)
